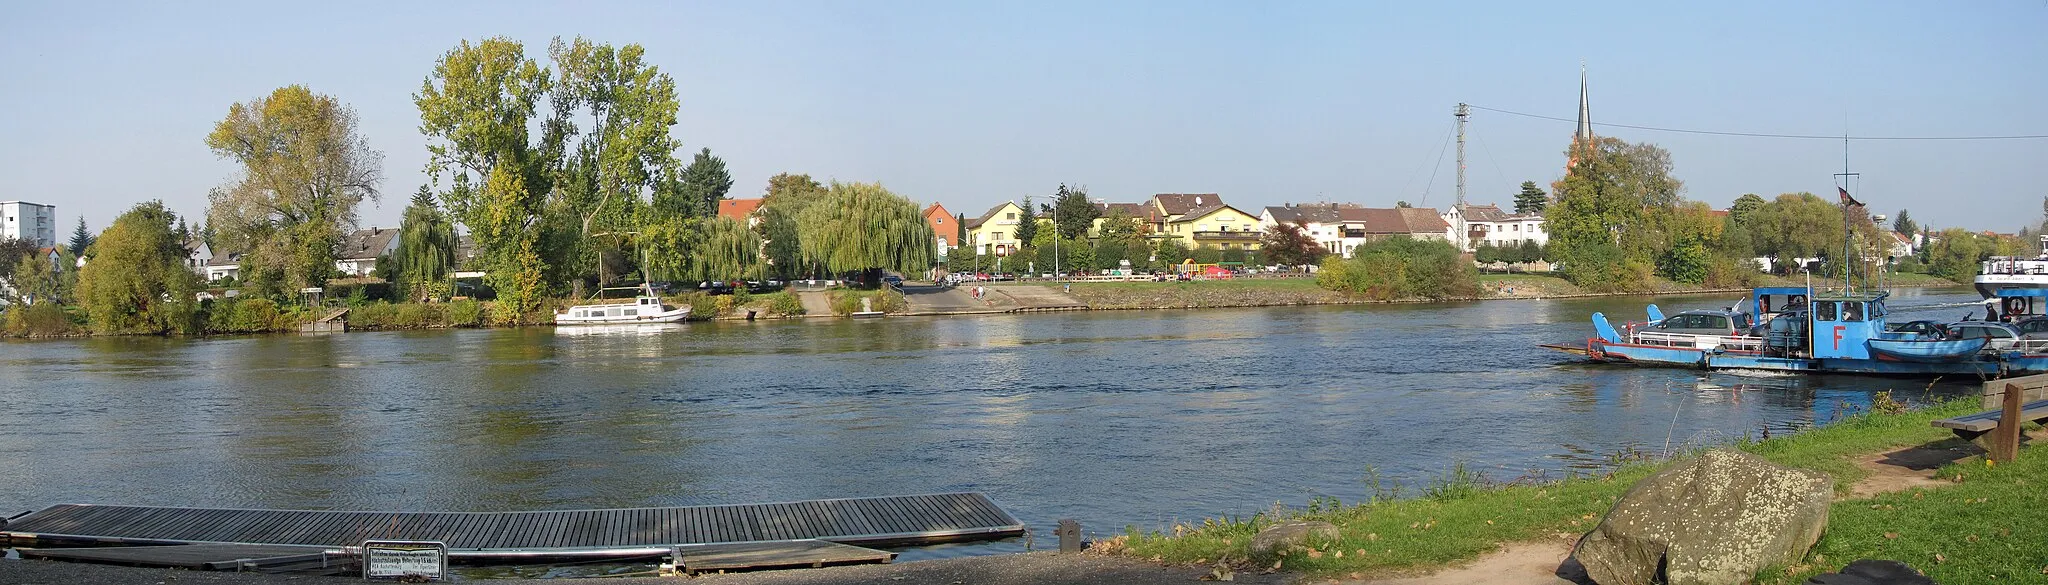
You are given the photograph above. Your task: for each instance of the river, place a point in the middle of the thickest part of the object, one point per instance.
(1112, 418)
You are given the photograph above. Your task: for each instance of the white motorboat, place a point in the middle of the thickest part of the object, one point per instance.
(643, 308)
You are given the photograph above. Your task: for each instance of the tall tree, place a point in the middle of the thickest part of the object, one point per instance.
(426, 248)
(1027, 223)
(622, 158)
(863, 227)
(1076, 213)
(1796, 225)
(1618, 196)
(80, 238)
(304, 171)
(475, 109)
(1904, 225)
(1531, 199)
(703, 184)
(137, 281)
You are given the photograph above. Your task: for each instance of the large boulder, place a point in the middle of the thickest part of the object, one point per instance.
(1278, 538)
(1716, 519)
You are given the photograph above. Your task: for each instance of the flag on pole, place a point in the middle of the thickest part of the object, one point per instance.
(1846, 199)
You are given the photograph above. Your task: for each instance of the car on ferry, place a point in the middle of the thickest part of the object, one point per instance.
(1705, 322)
(2003, 336)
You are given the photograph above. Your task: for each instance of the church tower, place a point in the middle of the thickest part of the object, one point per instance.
(1582, 137)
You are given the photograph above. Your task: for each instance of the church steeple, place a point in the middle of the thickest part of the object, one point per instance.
(1582, 138)
(1585, 131)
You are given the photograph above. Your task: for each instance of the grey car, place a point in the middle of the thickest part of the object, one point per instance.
(1704, 322)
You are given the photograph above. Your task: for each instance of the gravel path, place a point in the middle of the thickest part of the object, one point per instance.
(1020, 569)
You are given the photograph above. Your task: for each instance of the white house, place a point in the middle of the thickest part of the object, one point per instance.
(228, 265)
(358, 252)
(1487, 224)
(29, 221)
(197, 256)
(1319, 221)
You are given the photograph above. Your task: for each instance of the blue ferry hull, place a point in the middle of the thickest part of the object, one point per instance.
(2006, 365)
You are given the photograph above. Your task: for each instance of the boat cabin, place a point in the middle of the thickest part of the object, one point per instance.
(1843, 323)
(2019, 303)
(639, 306)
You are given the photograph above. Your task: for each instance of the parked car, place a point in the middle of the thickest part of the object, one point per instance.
(1923, 328)
(2035, 327)
(2002, 336)
(892, 280)
(1704, 322)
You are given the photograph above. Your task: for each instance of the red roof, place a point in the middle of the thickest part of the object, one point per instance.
(738, 209)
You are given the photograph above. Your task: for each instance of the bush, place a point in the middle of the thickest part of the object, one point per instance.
(39, 320)
(465, 313)
(1399, 268)
(786, 304)
(1732, 272)
(248, 315)
(1604, 268)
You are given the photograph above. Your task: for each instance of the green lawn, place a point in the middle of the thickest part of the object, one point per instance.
(1457, 517)
(1286, 284)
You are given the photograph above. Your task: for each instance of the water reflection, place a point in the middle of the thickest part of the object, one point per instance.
(1112, 418)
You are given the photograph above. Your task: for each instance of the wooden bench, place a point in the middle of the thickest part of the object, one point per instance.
(2011, 401)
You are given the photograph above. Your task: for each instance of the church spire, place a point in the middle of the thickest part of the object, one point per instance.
(1585, 130)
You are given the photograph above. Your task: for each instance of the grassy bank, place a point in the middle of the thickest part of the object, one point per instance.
(1460, 516)
(1267, 292)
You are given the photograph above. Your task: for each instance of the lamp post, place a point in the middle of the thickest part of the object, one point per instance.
(1055, 241)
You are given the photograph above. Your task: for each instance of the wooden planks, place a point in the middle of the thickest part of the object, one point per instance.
(718, 558)
(891, 520)
(1983, 422)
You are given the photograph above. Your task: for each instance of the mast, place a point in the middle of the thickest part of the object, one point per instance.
(1459, 207)
(1848, 229)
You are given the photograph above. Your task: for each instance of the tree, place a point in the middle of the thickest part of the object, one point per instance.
(1076, 213)
(304, 170)
(702, 185)
(622, 159)
(1744, 205)
(1289, 244)
(787, 196)
(707, 248)
(137, 281)
(863, 227)
(1796, 225)
(13, 250)
(426, 248)
(80, 238)
(1904, 225)
(32, 279)
(1532, 199)
(1619, 195)
(1955, 254)
(1403, 204)
(475, 109)
(1027, 223)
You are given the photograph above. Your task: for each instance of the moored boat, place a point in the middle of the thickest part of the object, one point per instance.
(642, 308)
(1927, 350)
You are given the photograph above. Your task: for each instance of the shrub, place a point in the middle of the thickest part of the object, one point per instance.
(1731, 272)
(722, 304)
(786, 304)
(247, 315)
(1400, 268)
(465, 313)
(39, 320)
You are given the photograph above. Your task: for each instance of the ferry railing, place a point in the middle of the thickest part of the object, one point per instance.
(1691, 341)
(2030, 346)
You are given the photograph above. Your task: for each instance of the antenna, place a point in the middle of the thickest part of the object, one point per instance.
(1463, 112)
(1848, 230)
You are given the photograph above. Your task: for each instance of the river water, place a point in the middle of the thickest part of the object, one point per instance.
(1113, 418)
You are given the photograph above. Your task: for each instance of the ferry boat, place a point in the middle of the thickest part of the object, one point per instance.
(1801, 329)
(642, 308)
(2011, 272)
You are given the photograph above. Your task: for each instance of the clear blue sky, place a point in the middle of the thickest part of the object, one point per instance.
(969, 104)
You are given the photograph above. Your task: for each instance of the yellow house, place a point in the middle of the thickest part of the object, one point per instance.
(995, 232)
(1218, 225)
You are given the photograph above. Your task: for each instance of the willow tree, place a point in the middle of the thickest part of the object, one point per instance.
(304, 171)
(711, 248)
(426, 248)
(862, 227)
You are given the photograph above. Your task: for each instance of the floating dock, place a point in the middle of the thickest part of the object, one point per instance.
(537, 536)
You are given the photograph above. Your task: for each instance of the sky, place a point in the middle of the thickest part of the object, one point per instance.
(973, 103)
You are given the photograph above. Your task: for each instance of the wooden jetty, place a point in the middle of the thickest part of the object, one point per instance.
(210, 557)
(532, 536)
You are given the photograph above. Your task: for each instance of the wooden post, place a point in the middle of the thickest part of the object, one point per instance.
(2005, 440)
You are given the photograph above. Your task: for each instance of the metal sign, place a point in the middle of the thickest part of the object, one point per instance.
(405, 560)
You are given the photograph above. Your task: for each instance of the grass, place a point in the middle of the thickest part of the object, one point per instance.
(1985, 529)
(1462, 515)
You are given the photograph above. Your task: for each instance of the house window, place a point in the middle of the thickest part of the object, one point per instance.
(996, 236)
(1010, 216)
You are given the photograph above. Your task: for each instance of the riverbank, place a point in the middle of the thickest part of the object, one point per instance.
(1905, 490)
